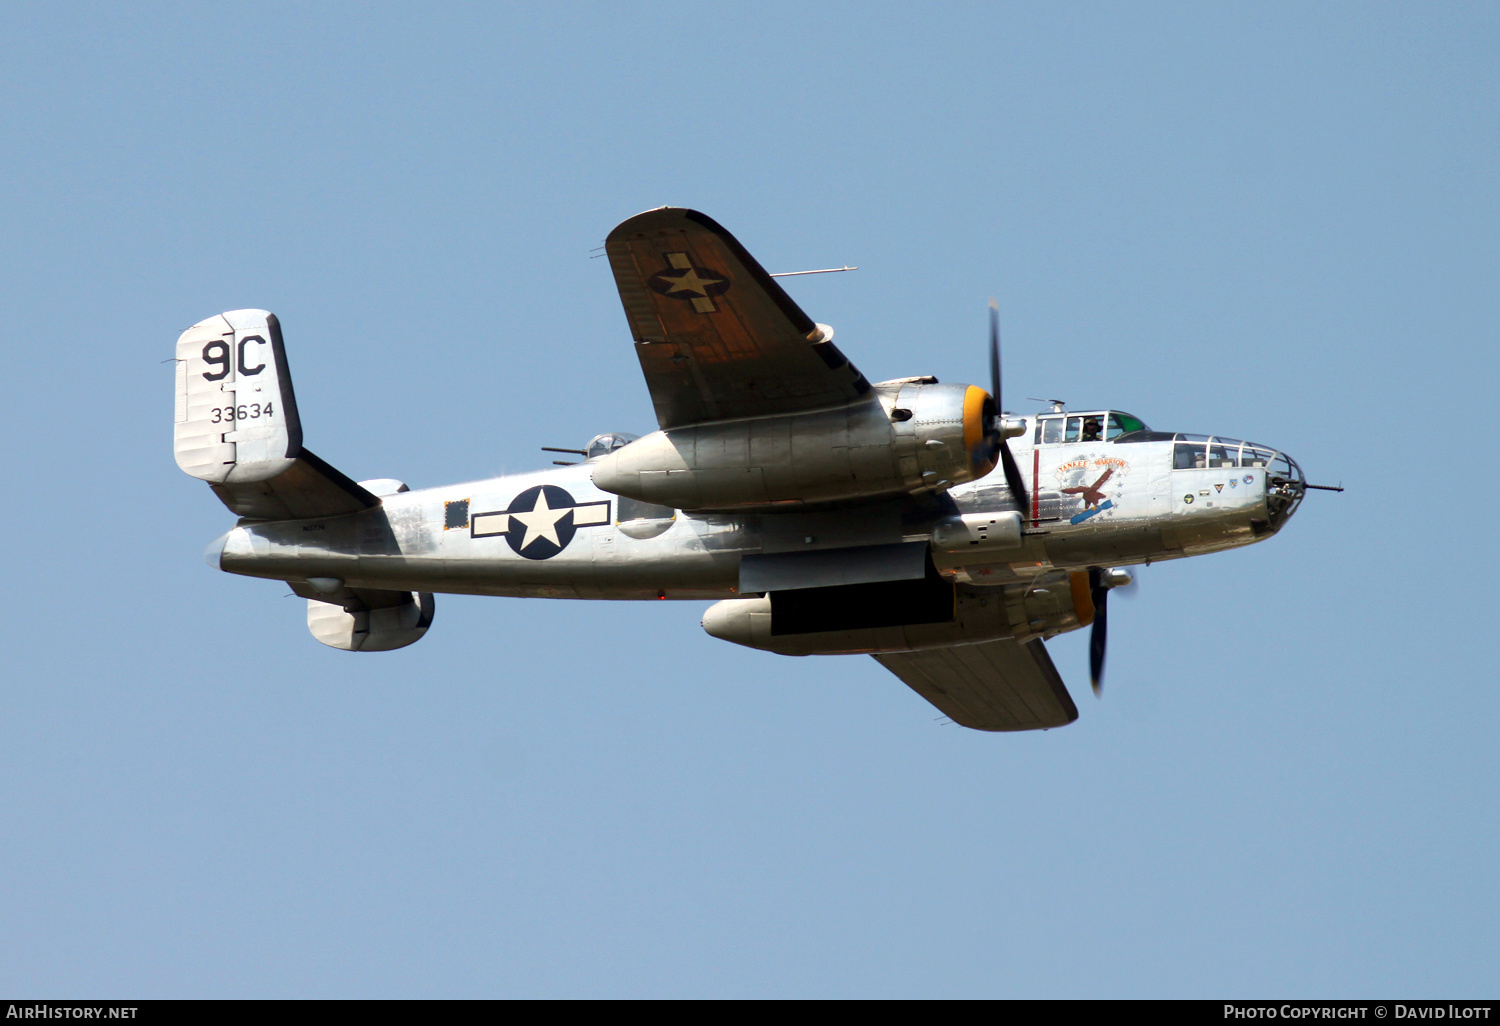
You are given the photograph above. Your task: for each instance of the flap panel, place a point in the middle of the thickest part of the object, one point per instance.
(827, 568)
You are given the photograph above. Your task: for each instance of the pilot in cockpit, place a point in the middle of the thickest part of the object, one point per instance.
(1091, 430)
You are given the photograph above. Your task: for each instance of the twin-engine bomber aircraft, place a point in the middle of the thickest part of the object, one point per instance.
(825, 514)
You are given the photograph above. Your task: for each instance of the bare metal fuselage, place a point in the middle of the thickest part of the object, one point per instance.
(1145, 510)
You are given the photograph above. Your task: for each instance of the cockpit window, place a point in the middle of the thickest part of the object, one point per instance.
(1087, 427)
(1203, 452)
(1255, 455)
(1188, 456)
(1224, 452)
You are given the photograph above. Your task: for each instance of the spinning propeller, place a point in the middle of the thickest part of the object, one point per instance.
(1099, 593)
(1101, 583)
(1007, 461)
(1101, 580)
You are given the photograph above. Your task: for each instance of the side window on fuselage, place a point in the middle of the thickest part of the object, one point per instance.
(1051, 429)
(1255, 456)
(1189, 456)
(628, 509)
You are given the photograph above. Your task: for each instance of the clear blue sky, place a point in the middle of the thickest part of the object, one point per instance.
(1272, 221)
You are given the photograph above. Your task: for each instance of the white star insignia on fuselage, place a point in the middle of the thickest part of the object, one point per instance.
(540, 522)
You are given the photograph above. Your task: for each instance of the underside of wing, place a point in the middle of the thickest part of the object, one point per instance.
(997, 685)
(717, 337)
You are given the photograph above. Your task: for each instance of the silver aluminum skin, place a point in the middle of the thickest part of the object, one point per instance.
(777, 469)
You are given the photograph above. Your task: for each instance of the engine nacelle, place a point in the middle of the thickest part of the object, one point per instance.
(901, 616)
(905, 438)
(967, 539)
(371, 630)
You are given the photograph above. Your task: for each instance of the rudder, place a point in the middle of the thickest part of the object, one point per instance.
(236, 424)
(236, 412)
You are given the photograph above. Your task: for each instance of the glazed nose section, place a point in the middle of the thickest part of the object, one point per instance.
(1285, 487)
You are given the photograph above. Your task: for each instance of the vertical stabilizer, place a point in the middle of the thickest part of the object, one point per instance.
(236, 412)
(236, 423)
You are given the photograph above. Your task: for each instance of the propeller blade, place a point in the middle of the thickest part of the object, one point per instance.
(1013, 478)
(995, 352)
(1100, 595)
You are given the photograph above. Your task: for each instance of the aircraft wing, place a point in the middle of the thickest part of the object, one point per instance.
(717, 337)
(997, 685)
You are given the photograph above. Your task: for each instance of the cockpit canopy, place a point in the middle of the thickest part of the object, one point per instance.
(603, 445)
(1101, 425)
(1205, 452)
(1189, 452)
(1196, 452)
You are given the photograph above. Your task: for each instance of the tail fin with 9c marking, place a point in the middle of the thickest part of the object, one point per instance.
(236, 424)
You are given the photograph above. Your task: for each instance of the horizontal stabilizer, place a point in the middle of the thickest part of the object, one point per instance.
(236, 424)
(308, 487)
(996, 685)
